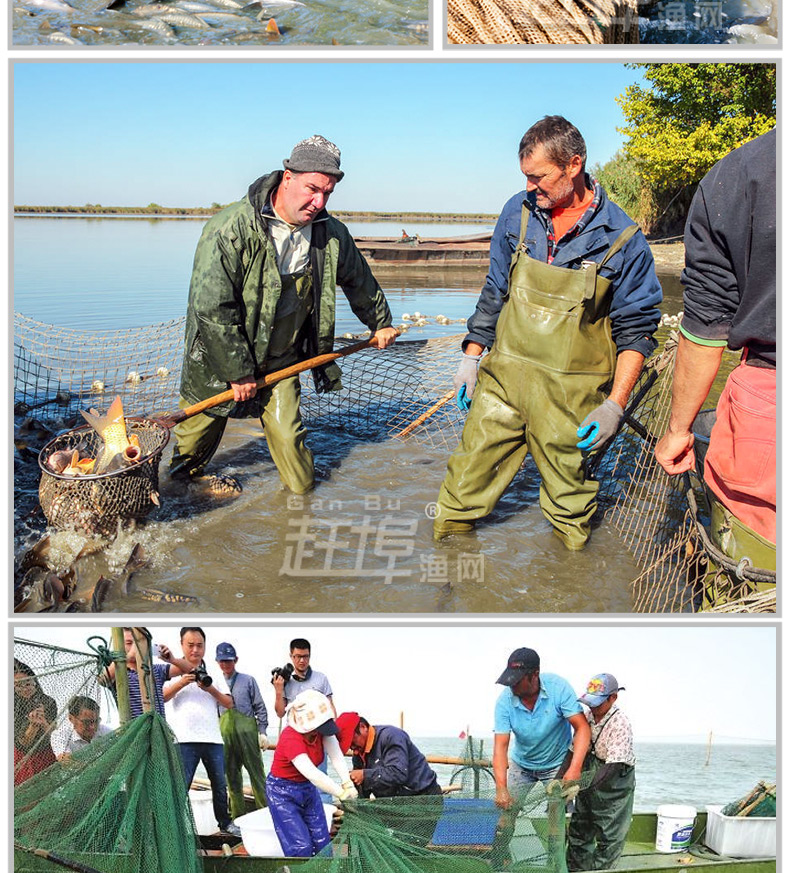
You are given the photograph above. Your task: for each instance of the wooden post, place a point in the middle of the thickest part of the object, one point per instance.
(121, 677)
(144, 676)
(710, 743)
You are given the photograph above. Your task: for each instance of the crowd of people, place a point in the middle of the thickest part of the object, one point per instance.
(543, 732)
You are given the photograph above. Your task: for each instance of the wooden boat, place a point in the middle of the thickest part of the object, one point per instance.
(640, 856)
(405, 251)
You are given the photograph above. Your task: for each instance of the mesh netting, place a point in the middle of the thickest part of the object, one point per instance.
(557, 22)
(459, 833)
(402, 392)
(97, 503)
(118, 803)
(59, 371)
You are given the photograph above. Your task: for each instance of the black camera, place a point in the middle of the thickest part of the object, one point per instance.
(286, 672)
(201, 676)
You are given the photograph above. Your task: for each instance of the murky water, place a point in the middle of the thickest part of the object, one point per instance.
(361, 542)
(221, 22)
(742, 22)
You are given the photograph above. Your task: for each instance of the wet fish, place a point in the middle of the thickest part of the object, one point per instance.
(78, 466)
(37, 556)
(137, 561)
(155, 25)
(49, 5)
(166, 596)
(117, 450)
(171, 15)
(43, 591)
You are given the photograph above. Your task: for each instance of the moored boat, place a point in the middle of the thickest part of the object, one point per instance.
(404, 251)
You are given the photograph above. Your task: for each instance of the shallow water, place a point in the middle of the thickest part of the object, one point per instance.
(314, 22)
(362, 541)
(742, 22)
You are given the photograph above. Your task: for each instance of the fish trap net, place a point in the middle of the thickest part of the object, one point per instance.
(116, 805)
(97, 503)
(531, 22)
(59, 371)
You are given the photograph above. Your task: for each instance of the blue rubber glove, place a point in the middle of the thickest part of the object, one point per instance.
(465, 380)
(599, 426)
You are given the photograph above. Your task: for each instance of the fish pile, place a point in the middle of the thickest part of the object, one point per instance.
(119, 449)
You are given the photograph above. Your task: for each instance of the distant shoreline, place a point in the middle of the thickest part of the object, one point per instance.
(154, 211)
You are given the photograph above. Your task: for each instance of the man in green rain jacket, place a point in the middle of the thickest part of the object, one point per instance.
(568, 311)
(262, 297)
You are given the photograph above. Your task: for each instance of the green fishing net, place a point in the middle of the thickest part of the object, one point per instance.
(118, 805)
(760, 802)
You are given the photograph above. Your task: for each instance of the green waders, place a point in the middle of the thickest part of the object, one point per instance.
(551, 364)
(600, 820)
(198, 438)
(737, 541)
(242, 749)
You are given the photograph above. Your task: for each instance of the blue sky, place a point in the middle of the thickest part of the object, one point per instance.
(413, 136)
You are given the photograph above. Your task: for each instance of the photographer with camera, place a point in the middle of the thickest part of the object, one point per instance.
(192, 713)
(298, 676)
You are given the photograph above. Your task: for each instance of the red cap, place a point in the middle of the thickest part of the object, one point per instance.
(347, 723)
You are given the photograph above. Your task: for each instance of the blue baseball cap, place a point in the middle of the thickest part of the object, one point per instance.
(599, 688)
(226, 652)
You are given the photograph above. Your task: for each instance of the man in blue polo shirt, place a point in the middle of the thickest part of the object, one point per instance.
(550, 731)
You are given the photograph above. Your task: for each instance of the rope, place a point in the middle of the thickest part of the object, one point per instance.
(740, 569)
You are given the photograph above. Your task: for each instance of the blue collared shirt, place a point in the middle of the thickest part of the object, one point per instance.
(543, 735)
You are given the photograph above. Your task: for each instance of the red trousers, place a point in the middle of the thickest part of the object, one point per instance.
(740, 466)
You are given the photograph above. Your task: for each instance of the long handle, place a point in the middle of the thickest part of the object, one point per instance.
(270, 379)
(402, 434)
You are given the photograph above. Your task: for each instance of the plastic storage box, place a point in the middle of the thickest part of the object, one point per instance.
(258, 834)
(740, 837)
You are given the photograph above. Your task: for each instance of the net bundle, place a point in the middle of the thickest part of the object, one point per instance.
(531, 22)
(457, 833)
(117, 804)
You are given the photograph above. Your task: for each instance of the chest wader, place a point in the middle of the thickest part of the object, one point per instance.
(551, 364)
(242, 749)
(601, 816)
(198, 438)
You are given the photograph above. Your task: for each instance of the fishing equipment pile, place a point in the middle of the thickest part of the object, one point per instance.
(404, 392)
(119, 805)
(532, 22)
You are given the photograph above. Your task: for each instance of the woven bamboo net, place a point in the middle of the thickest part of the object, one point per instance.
(554, 22)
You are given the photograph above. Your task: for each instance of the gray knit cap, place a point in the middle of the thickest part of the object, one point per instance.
(315, 155)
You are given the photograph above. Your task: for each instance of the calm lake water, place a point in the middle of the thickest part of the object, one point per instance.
(253, 554)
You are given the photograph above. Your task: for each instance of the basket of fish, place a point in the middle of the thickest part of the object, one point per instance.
(103, 473)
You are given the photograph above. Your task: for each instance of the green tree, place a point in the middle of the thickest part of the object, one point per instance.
(686, 119)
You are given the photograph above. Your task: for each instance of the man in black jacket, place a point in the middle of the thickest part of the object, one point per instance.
(387, 764)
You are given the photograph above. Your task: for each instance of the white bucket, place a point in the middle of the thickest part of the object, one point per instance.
(258, 834)
(203, 812)
(674, 827)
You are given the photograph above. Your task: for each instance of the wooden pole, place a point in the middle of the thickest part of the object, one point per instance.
(710, 743)
(121, 676)
(144, 676)
(173, 418)
(401, 434)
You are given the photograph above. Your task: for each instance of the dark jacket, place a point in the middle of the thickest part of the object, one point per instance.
(636, 291)
(730, 276)
(395, 767)
(235, 288)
